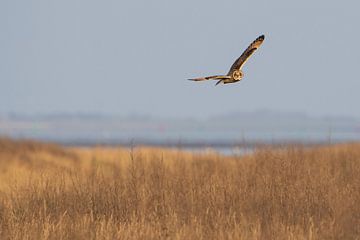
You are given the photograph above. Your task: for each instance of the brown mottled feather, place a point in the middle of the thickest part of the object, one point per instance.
(216, 77)
(246, 54)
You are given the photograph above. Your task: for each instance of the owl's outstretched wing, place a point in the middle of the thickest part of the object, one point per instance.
(216, 77)
(246, 54)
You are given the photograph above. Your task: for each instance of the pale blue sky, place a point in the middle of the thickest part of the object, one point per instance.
(132, 57)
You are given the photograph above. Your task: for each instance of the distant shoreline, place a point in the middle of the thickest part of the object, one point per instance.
(189, 143)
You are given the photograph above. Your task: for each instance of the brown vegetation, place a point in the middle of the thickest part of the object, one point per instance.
(49, 192)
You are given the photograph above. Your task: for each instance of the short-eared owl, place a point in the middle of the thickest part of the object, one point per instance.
(235, 74)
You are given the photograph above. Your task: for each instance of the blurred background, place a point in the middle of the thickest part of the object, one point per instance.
(114, 72)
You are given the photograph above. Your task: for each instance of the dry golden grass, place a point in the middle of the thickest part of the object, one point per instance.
(49, 192)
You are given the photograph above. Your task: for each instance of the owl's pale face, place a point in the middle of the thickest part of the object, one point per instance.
(237, 74)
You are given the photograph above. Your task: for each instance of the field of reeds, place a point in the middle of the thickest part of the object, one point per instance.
(52, 192)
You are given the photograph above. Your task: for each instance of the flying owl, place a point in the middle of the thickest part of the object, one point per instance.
(235, 73)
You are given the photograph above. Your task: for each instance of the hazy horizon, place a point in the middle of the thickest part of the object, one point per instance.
(133, 57)
(195, 117)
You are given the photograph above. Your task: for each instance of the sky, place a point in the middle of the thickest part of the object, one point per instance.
(133, 57)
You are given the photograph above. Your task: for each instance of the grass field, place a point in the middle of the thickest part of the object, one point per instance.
(50, 192)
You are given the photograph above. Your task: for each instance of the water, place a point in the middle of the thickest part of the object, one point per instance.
(234, 137)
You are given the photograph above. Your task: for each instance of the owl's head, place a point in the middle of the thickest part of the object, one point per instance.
(237, 74)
